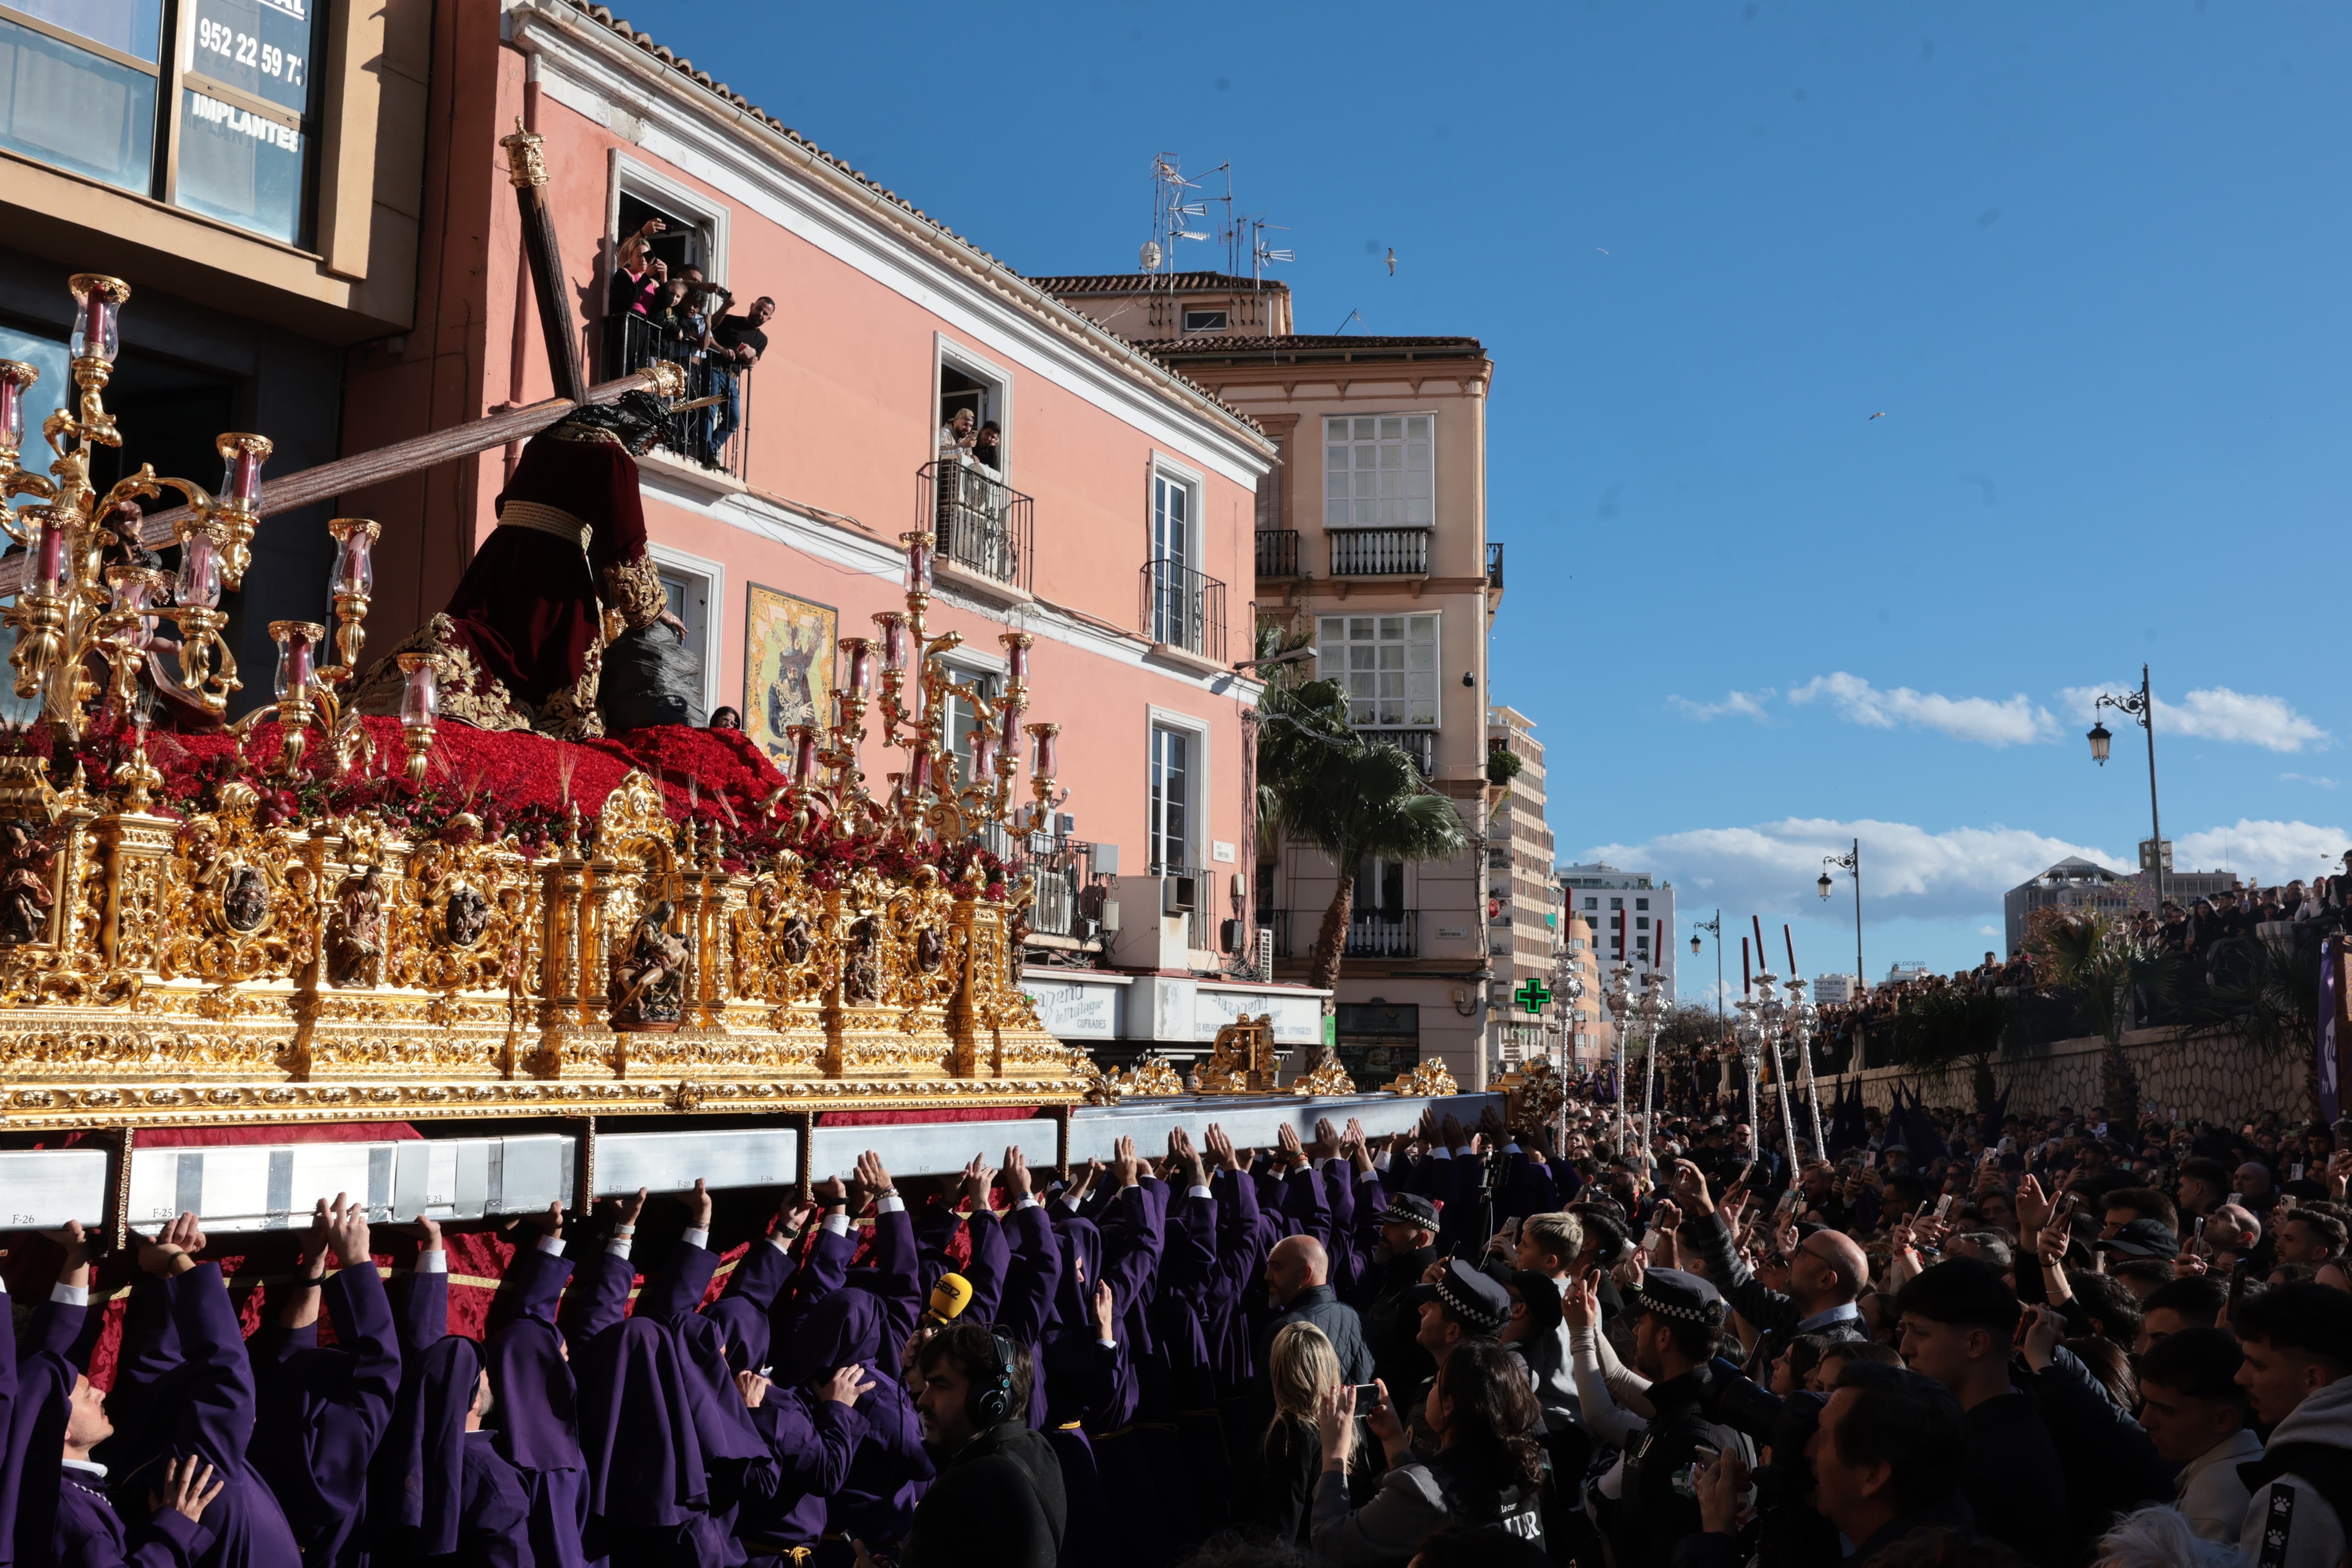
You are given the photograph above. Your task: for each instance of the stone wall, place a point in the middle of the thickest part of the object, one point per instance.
(2217, 1079)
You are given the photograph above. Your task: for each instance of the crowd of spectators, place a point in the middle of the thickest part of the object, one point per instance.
(654, 312)
(2052, 1341)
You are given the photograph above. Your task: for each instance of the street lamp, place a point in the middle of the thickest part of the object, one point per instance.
(2140, 706)
(1850, 861)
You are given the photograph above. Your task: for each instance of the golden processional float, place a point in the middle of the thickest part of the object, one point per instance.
(281, 944)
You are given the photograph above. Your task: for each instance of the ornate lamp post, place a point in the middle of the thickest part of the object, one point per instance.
(1649, 1009)
(1622, 1012)
(1851, 861)
(2140, 706)
(1747, 1034)
(1802, 1016)
(1769, 1016)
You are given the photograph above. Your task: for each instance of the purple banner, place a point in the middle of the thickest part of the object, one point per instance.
(2331, 1004)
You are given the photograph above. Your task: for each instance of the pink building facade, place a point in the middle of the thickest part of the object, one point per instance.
(1114, 527)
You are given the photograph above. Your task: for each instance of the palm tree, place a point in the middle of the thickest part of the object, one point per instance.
(2265, 995)
(2097, 954)
(1350, 796)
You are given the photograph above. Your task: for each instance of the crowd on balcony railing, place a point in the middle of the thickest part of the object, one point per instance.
(655, 313)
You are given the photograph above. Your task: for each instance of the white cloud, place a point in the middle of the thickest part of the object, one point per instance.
(2015, 723)
(1958, 872)
(1961, 873)
(2269, 852)
(2217, 713)
(2314, 782)
(1734, 705)
(1988, 931)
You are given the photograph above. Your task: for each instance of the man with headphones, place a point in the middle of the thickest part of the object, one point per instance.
(998, 1501)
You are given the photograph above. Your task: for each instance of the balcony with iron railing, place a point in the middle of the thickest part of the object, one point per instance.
(1070, 891)
(984, 526)
(714, 437)
(1371, 933)
(1184, 609)
(1278, 553)
(1380, 552)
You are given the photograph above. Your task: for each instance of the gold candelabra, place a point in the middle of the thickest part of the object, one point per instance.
(903, 673)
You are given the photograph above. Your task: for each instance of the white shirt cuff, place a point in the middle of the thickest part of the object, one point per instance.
(550, 1245)
(697, 1237)
(1441, 1152)
(1069, 1203)
(1380, 1161)
(1199, 1191)
(837, 1223)
(619, 1246)
(1107, 1344)
(889, 1202)
(436, 1261)
(1029, 1202)
(70, 1295)
(781, 1245)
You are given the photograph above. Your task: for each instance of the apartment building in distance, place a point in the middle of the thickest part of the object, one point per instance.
(1523, 906)
(1645, 937)
(1591, 1037)
(1370, 545)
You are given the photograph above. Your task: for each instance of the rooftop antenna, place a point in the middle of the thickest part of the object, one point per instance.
(1261, 253)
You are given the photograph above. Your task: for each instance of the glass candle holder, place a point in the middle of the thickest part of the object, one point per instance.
(96, 334)
(861, 666)
(134, 593)
(1044, 750)
(893, 627)
(49, 534)
(354, 570)
(198, 584)
(420, 692)
(1016, 654)
(17, 378)
(297, 643)
(918, 563)
(983, 755)
(1009, 728)
(918, 780)
(241, 458)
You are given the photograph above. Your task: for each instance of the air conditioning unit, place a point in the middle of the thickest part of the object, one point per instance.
(1179, 895)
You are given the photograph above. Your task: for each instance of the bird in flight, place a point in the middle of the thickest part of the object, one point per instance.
(1880, 415)
(1392, 260)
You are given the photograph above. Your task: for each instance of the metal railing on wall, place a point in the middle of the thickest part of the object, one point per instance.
(1184, 608)
(983, 524)
(717, 437)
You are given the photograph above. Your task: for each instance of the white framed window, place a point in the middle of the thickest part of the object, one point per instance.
(965, 381)
(1379, 471)
(697, 588)
(1389, 663)
(1204, 321)
(1176, 836)
(984, 676)
(695, 231)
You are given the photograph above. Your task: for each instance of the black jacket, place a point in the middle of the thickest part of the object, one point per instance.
(998, 1504)
(1318, 1305)
(2015, 1482)
(1651, 1516)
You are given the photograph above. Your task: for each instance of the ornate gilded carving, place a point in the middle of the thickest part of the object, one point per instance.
(1242, 1060)
(1429, 1077)
(1327, 1076)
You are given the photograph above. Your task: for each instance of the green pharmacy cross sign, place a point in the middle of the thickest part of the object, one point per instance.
(1532, 995)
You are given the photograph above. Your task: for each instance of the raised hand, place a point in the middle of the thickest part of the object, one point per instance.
(1084, 1181)
(347, 1232)
(1017, 1184)
(752, 1387)
(795, 1217)
(1383, 1420)
(1219, 1147)
(832, 1194)
(315, 1244)
(1294, 1153)
(1124, 1163)
(1452, 1130)
(1335, 1423)
(697, 1205)
(1105, 1307)
(1580, 1304)
(550, 1223)
(2033, 1206)
(2044, 1331)
(872, 1176)
(978, 1177)
(188, 1486)
(82, 1250)
(1690, 1190)
(1720, 1485)
(623, 1211)
(1327, 1139)
(171, 1251)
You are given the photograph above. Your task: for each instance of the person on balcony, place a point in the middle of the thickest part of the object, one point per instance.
(988, 449)
(737, 343)
(639, 279)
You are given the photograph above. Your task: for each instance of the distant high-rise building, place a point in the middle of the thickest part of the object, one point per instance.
(2075, 883)
(1601, 893)
(1833, 990)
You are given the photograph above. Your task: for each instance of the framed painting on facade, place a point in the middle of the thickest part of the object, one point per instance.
(788, 658)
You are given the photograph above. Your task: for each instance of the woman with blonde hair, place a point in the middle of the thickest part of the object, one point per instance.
(1302, 1368)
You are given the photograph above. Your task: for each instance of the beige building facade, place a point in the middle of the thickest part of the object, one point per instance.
(1523, 908)
(1371, 548)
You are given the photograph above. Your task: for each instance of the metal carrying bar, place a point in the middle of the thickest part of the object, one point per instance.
(265, 1187)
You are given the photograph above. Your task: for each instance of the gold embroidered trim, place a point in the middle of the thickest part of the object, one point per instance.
(490, 708)
(634, 588)
(587, 433)
(541, 517)
(572, 715)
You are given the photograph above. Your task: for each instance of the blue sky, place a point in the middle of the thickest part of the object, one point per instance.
(2087, 259)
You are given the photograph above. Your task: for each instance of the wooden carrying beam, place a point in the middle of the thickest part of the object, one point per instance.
(328, 480)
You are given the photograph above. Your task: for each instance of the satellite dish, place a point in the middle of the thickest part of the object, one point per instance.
(1150, 256)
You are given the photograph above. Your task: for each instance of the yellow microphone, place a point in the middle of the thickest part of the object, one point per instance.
(950, 1297)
